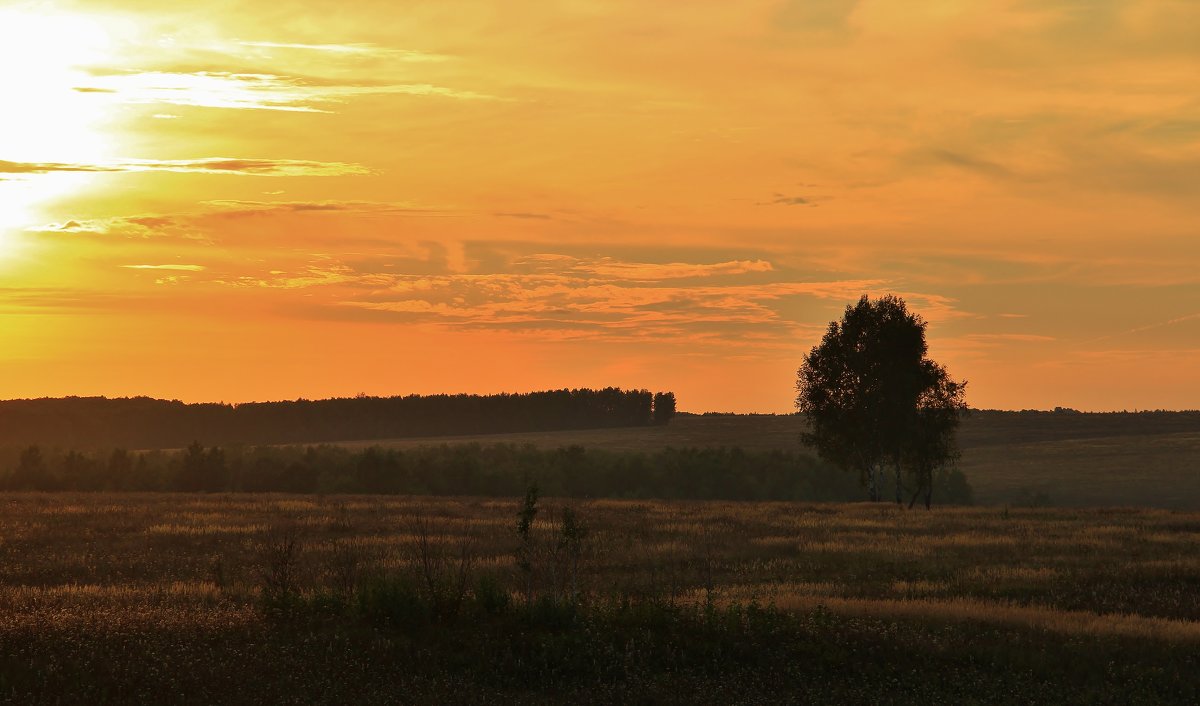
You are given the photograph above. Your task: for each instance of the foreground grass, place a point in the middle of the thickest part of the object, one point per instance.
(160, 598)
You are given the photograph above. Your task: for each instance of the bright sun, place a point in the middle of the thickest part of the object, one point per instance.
(43, 58)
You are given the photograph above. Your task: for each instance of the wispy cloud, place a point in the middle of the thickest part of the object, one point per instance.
(235, 208)
(353, 49)
(728, 303)
(209, 223)
(522, 215)
(173, 268)
(611, 309)
(968, 162)
(250, 91)
(778, 199)
(813, 15)
(641, 271)
(143, 227)
(71, 226)
(1009, 337)
(48, 300)
(1150, 327)
(207, 165)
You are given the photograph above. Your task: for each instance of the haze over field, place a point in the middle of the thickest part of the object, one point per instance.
(251, 200)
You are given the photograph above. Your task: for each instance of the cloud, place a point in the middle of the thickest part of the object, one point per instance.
(207, 165)
(407, 55)
(1171, 174)
(174, 268)
(731, 315)
(251, 91)
(607, 268)
(783, 200)
(808, 15)
(214, 222)
(648, 272)
(58, 299)
(733, 303)
(144, 227)
(235, 208)
(1151, 327)
(7, 167)
(1009, 337)
(522, 215)
(967, 162)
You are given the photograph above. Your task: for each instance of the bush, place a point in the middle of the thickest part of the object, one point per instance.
(394, 602)
(490, 596)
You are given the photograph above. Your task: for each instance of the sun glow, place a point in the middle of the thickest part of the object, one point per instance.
(44, 57)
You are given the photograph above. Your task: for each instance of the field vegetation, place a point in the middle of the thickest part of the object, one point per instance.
(1016, 458)
(1022, 459)
(461, 469)
(224, 598)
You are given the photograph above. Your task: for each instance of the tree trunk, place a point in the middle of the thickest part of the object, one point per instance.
(929, 494)
(872, 486)
(899, 485)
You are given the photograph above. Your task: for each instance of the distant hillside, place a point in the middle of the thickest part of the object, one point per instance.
(145, 423)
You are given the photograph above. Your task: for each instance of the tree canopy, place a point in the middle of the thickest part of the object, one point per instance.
(875, 400)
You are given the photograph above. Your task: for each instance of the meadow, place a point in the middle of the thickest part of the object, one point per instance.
(239, 598)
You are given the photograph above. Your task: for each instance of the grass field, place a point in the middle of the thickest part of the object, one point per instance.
(153, 598)
(1147, 459)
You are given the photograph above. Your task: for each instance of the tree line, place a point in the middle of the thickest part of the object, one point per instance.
(146, 423)
(496, 470)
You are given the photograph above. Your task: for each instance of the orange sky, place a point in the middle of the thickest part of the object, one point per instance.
(265, 200)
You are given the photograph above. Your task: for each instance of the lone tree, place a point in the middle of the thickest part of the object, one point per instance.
(874, 401)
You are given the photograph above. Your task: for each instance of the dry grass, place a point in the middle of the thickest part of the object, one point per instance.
(1074, 623)
(119, 597)
(1128, 569)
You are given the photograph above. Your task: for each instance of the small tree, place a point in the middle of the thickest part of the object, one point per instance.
(31, 472)
(202, 470)
(572, 533)
(195, 463)
(664, 407)
(873, 399)
(119, 471)
(525, 549)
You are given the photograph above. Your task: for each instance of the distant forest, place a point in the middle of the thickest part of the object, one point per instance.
(146, 423)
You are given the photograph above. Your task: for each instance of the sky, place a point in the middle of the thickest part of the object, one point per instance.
(234, 200)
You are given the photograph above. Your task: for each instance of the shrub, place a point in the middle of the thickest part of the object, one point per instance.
(491, 597)
(394, 602)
